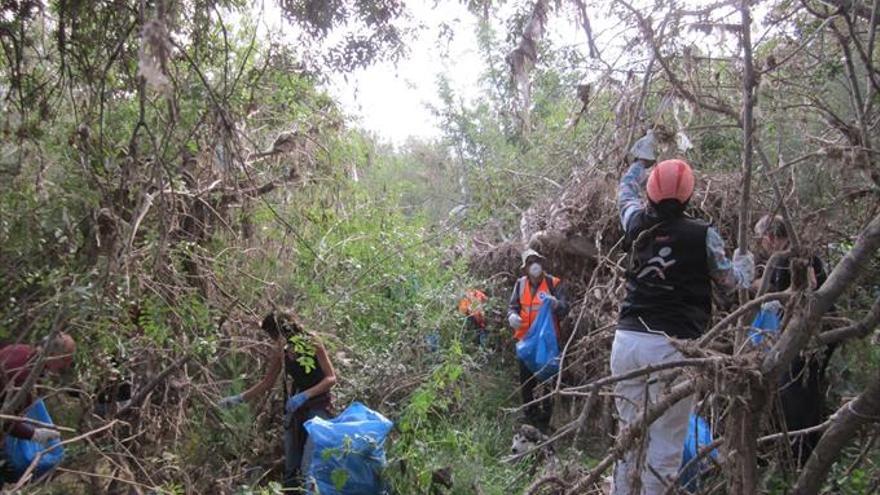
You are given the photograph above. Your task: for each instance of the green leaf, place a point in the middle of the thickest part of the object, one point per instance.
(339, 477)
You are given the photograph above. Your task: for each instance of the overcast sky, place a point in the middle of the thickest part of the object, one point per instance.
(391, 99)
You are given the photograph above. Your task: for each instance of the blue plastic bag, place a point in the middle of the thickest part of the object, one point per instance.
(699, 435)
(766, 322)
(539, 349)
(20, 452)
(349, 452)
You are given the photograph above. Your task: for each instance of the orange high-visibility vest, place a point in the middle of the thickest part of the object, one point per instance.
(472, 305)
(530, 303)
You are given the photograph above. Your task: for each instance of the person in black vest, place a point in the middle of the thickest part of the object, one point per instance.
(800, 387)
(311, 373)
(673, 261)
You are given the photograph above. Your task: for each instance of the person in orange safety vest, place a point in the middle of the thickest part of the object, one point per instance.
(471, 306)
(529, 292)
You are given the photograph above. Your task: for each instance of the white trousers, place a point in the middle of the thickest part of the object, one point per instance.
(665, 440)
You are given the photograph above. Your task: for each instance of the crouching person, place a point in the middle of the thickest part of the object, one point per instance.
(311, 373)
(17, 362)
(673, 260)
(529, 293)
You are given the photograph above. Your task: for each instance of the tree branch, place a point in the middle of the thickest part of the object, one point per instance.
(801, 327)
(845, 423)
(144, 392)
(681, 89)
(638, 427)
(727, 320)
(856, 330)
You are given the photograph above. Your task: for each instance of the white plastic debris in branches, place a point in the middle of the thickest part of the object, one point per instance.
(665, 104)
(683, 142)
(681, 139)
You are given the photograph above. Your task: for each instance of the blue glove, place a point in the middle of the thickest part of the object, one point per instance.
(543, 296)
(295, 402)
(232, 400)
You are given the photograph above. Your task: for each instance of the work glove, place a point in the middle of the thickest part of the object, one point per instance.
(43, 435)
(514, 320)
(231, 401)
(295, 402)
(549, 297)
(773, 307)
(744, 263)
(645, 147)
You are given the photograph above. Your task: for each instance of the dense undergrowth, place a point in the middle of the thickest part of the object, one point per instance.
(158, 224)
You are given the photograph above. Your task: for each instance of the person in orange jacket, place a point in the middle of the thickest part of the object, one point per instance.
(529, 292)
(471, 306)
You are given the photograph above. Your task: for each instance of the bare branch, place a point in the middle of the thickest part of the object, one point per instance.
(800, 328)
(857, 330)
(729, 319)
(638, 427)
(845, 423)
(681, 89)
(145, 391)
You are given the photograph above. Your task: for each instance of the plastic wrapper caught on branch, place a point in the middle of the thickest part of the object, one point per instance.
(153, 55)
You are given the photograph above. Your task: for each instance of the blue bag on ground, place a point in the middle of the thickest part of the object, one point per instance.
(699, 435)
(349, 452)
(539, 349)
(766, 323)
(20, 452)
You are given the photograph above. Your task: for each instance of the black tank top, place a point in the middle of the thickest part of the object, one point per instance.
(305, 377)
(301, 378)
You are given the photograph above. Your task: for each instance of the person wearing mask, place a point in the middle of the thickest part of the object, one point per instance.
(307, 365)
(800, 386)
(529, 292)
(17, 362)
(672, 262)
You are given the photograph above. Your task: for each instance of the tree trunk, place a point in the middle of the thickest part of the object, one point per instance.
(743, 421)
(741, 437)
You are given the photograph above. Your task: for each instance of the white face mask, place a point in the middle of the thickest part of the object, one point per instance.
(535, 270)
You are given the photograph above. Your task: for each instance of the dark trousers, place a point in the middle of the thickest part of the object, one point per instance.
(802, 401)
(6, 474)
(297, 448)
(537, 414)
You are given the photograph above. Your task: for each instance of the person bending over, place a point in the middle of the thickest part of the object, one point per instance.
(307, 365)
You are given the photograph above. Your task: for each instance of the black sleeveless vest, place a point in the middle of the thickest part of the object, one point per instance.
(668, 287)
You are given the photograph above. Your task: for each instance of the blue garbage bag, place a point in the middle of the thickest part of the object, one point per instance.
(20, 452)
(539, 349)
(766, 323)
(699, 435)
(349, 452)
